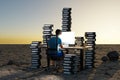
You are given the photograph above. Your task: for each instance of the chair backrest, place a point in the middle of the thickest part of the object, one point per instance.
(51, 51)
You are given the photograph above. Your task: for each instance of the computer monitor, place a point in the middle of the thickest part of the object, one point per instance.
(67, 38)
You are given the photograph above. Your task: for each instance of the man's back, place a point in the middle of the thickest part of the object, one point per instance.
(52, 42)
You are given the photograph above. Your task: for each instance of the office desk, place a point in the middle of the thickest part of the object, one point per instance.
(81, 54)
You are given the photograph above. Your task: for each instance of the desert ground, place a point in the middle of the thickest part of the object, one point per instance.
(16, 59)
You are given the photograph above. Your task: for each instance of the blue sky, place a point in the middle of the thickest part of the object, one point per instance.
(21, 21)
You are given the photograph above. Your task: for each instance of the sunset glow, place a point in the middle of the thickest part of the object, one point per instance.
(21, 21)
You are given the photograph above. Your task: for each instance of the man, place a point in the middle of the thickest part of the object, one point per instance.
(55, 43)
(52, 42)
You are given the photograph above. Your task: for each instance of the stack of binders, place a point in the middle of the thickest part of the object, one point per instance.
(80, 54)
(90, 51)
(36, 57)
(79, 41)
(66, 20)
(47, 32)
(71, 64)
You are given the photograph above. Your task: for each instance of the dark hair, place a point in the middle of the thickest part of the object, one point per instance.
(58, 31)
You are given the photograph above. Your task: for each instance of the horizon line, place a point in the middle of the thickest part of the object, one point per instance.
(29, 44)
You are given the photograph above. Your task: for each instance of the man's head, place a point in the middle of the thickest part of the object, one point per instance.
(58, 32)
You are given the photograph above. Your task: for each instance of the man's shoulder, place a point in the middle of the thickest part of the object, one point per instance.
(54, 38)
(59, 38)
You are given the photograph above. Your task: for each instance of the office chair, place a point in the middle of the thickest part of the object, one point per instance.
(57, 61)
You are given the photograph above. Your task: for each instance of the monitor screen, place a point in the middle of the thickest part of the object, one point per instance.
(67, 38)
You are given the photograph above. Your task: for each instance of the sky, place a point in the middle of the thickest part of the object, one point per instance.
(21, 21)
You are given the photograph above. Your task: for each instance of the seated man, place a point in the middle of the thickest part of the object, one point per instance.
(55, 43)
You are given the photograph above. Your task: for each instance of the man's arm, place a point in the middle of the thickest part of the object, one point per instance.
(60, 42)
(61, 45)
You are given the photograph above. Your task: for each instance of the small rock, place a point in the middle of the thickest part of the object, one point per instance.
(113, 56)
(10, 62)
(104, 58)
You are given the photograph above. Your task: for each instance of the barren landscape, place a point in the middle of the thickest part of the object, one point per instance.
(15, 59)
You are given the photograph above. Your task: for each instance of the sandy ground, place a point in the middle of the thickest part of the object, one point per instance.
(15, 59)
